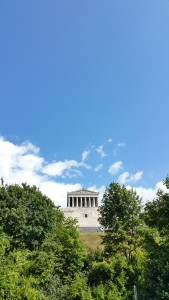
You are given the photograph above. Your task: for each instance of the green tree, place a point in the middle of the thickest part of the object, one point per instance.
(120, 216)
(16, 281)
(155, 285)
(108, 278)
(64, 243)
(40, 250)
(27, 215)
(157, 212)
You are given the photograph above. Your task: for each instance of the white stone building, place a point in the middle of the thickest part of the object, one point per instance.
(83, 205)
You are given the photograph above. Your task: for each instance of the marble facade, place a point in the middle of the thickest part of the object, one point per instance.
(83, 205)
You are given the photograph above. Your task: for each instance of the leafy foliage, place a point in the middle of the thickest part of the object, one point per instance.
(120, 212)
(157, 211)
(16, 282)
(26, 215)
(42, 257)
(40, 250)
(156, 268)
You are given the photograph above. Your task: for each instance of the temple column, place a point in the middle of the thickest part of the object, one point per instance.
(93, 202)
(72, 201)
(85, 202)
(80, 201)
(89, 201)
(96, 202)
(68, 202)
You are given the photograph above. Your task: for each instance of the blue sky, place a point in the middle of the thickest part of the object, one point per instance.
(84, 94)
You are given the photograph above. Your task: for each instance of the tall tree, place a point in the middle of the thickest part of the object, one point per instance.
(39, 248)
(120, 216)
(156, 275)
(157, 212)
(27, 215)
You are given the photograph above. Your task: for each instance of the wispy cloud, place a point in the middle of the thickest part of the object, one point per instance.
(116, 149)
(84, 165)
(123, 178)
(114, 152)
(67, 168)
(100, 189)
(22, 163)
(58, 168)
(148, 194)
(101, 151)
(136, 177)
(122, 145)
(98, 167)
(116, 167)
(126, 177)
(85, 154)
(98, 149)
(57, 191)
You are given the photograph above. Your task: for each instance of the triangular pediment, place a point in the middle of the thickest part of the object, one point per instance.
(82, 192)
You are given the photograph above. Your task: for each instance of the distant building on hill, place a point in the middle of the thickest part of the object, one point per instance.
(83, 205)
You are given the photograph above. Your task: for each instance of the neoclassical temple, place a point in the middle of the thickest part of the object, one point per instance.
(83, 206)
(82, 198)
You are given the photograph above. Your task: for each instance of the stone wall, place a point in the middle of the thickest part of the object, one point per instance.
(83, 206)
(86, 216)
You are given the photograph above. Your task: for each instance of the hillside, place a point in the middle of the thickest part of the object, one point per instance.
(92, 240)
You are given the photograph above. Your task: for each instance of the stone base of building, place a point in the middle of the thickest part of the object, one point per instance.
(90, 229)
(87, 217)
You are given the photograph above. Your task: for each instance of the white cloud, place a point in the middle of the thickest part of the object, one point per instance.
(84, 165)
(136, 177)
(122, 145)
(101, 151)
(85, 154)
(100, 189)
(123, 178)
(22, 163)
(114, 168)
(30, 162)
(98, 167)
(114, 152)
(109, 140)
(145, 194)
(160, 186)
(57, 191)
(65, 168)
(19, 159)
(127, 178)
(148, 194)
(58, 168)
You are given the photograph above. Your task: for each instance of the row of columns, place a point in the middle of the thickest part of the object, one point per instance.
(82, 202)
